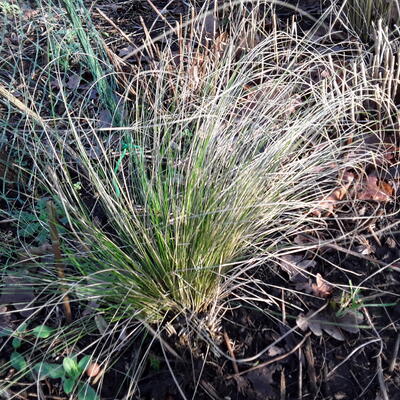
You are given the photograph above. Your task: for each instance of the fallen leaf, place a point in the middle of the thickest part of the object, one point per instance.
(327, 205)
(93, 369)
(295, 265)
(73, 82)
(275, 351)
(262, 381)
(321, 288)
(376, 190)
(318, 323)
(350, 320)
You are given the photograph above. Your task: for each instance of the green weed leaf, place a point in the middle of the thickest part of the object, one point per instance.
(71, 367)
(154, 363)
(86, 392)
(57, 371)
(16, 343)
(18, 361)
(84, 363)
(44, 370)
(68, 385)
(42, 331)
(5, 332)
(22, 327)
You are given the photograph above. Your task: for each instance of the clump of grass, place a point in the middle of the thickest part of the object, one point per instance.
(224, 150)
(217, 163)
(363, 15)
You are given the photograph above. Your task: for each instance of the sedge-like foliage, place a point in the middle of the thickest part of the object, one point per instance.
(220, 159)
(226, 148)
(364, 14)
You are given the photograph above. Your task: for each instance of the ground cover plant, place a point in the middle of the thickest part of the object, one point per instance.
(153, 196)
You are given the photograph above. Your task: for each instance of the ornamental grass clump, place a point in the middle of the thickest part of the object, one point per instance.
(216, 153)
(224, 150)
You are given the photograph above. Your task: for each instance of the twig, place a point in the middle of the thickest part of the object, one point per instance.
(273, 360)
(283, 385)
(395, 354)
(162, 341)
(381, 378)
(55, 241)
(6, 221)
(231, 353)
(111, 22)
(20, 105)
(300, 374)
(160, 15)
(311, 366)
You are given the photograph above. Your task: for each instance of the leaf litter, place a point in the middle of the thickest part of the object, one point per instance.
(330, 322)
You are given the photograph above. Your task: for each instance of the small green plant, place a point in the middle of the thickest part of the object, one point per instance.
(352, 302)
(70, 371)
(33, 224)
(18, 335)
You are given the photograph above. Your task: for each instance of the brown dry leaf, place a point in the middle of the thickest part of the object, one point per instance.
(321, 288)
(295, 264)
(350, 320)
(318, 323)
(327, 205)
(376, 190)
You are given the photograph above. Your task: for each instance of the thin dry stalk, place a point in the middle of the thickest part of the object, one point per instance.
(55, 240)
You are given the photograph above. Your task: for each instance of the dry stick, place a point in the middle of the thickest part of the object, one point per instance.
(20, 105)
(111, 22)
(283, 385)
(160, 15)
(273, 360)
(163, 343)
(231, 353)
(300, 374)
(311, 366)
(55, 241)
(6, 221)
(395, 354)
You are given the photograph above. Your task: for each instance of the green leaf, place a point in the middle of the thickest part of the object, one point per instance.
(18, 361)
(57, 372)
(154, 363)
(84, 363)
(22, 328)
(16, 343)
(44, 369)
(42, 331)
(68, 385)
(30, 229)
(4, 332)
(86, 392)
(71, 367)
